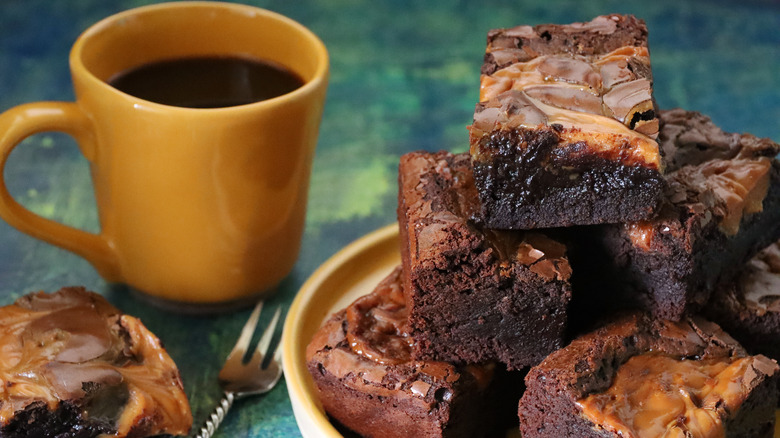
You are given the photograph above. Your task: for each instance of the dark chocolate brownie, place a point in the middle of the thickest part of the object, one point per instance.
(474, 294)
(75, 366)
(722, 206)
(641, 376)
(749, 307)
(565, 130)
(361, 363)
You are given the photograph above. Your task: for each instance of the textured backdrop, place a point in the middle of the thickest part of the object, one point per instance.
(404, 76)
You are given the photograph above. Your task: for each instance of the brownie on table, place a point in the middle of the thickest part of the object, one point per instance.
(74, 366)
(474, 294)
(361, 363)
(749, 307)
(640, 376)
(564, 133)
(722, 206)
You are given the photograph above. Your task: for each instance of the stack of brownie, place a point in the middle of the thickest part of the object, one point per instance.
(582, 214)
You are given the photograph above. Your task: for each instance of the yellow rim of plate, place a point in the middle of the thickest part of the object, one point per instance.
(293, 355)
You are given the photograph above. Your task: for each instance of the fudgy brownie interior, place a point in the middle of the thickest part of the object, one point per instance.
(722, 205)
(474, 294)
(564, 131)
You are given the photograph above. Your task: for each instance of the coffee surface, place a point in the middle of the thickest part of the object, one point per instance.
(207, 82)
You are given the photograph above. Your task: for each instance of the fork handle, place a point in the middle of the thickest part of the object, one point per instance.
(216, 417)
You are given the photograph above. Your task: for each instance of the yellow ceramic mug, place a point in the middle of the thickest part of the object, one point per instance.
(198, 206)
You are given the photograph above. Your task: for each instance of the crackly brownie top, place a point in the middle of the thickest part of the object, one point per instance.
(592, 81)
(72, 345)
(602, 35)
(367, 346)
(758, 287)
(689, 369)
(717, 176)
(439, 194)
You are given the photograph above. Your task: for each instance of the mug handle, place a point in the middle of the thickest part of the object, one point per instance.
(23, 121)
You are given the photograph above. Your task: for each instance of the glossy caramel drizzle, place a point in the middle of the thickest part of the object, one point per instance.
(641, 234)
(60, 341)
(654, 395)
(376, 324)
(610, 95)
(21, 379)
(742, 184)
(150, 388)
(606, 85)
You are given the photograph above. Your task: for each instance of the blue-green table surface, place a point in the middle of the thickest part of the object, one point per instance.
(404, 76)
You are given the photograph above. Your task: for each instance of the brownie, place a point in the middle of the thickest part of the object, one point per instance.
(361, 363)
(564, 133)
(749, 307)
(474, 294)
(75, 366)
(640, 376)
(722, 206)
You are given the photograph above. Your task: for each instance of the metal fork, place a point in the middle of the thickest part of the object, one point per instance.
(240, 380)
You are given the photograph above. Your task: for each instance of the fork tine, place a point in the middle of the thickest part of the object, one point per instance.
(239, 350)
(278, 354)
(265, 340)
(276, 366)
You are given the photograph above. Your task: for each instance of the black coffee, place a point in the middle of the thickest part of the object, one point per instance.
(209, 82)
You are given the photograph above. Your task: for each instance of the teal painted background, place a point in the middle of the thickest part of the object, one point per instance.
(404, 76)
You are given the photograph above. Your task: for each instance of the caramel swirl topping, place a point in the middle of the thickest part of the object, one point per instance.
(605, 136)
(609, 94)
(654, 395)
(618, 88)
(376, 324)
(52, 345)
(734, 188)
